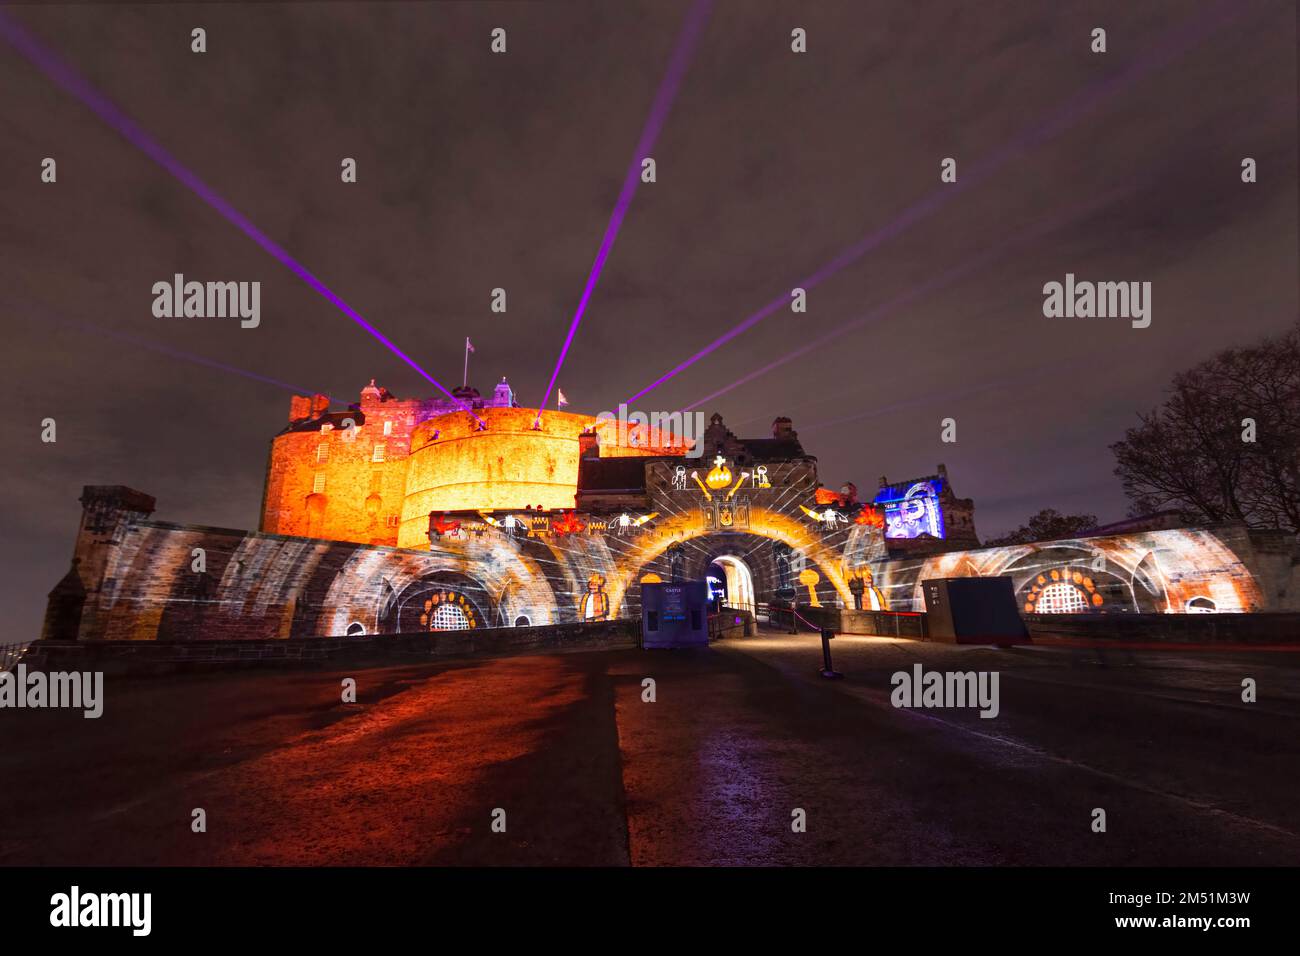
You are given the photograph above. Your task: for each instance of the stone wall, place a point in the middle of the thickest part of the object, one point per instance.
(1280, 629)
(168, 656)
(134, 578)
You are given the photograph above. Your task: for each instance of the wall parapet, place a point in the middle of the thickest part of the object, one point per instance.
(374, 650)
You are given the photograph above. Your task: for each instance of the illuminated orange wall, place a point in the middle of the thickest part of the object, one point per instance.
(362, 498)
(508, 464)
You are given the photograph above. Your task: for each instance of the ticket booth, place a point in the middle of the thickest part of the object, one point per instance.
(675, 614)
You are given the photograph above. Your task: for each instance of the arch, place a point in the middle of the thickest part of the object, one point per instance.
(443, 601)
(501, 581)
(773, 553)
(1072, 587)
(765, 526)
(738, 581)
(356, 629)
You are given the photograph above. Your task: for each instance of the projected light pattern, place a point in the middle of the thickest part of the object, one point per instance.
(1180, 571)
(686, 41)
(265, 586)
(914, 512)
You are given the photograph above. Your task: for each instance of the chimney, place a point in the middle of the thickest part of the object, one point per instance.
(320, 404)
(299, 408)
(783, 428)
(588, 444)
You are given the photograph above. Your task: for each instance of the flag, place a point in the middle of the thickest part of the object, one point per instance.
(469, 346)
(561, 400)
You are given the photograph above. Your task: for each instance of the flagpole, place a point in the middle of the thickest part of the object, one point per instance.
(465, 378)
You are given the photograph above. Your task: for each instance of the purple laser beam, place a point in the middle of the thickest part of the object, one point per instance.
(668, 87)
(49, 63)
(936, 282)
(171, 351)
(1176, 41)
(1033, 375)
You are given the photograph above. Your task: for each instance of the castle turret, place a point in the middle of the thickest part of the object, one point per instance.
(503, 396)
(107, 510)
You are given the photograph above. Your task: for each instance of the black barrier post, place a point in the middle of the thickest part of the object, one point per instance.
(827, 669)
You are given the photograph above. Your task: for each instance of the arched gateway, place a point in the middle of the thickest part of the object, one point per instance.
(753, 510)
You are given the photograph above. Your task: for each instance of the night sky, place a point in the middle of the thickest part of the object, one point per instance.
(479, 171)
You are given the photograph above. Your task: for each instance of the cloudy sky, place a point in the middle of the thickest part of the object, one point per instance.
(478, 171)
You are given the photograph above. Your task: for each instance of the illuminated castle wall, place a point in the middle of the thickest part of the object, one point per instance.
(371, 473)
(475, 554)
(460, 465)
(1187, 570)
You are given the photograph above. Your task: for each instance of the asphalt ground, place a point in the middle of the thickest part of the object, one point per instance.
(742, 741)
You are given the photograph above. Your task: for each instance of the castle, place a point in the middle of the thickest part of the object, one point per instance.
(374, 472)
(396, 515)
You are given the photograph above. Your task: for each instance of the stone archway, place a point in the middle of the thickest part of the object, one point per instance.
(442, 601)
(738, 581)
(782, 564)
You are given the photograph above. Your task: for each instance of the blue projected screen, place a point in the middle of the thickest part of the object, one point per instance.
(912, 512)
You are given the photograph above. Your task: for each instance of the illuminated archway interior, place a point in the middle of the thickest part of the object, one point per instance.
(738, 580)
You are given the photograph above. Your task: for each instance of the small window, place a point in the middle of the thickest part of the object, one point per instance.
(318, 485)
(356, 629)
(322, 452)
(522, 621)
(378, 453)
(388, 428)
(393, 521)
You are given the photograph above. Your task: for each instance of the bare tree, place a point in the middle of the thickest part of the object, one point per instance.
(1048, 525)
(1225, 445)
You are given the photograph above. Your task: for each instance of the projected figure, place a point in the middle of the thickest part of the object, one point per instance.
(809, 579)
(784, 577)
(675, 558)
(915, 513)
(862, 585)
(679, 478)
(856, 587)
(594, 605)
